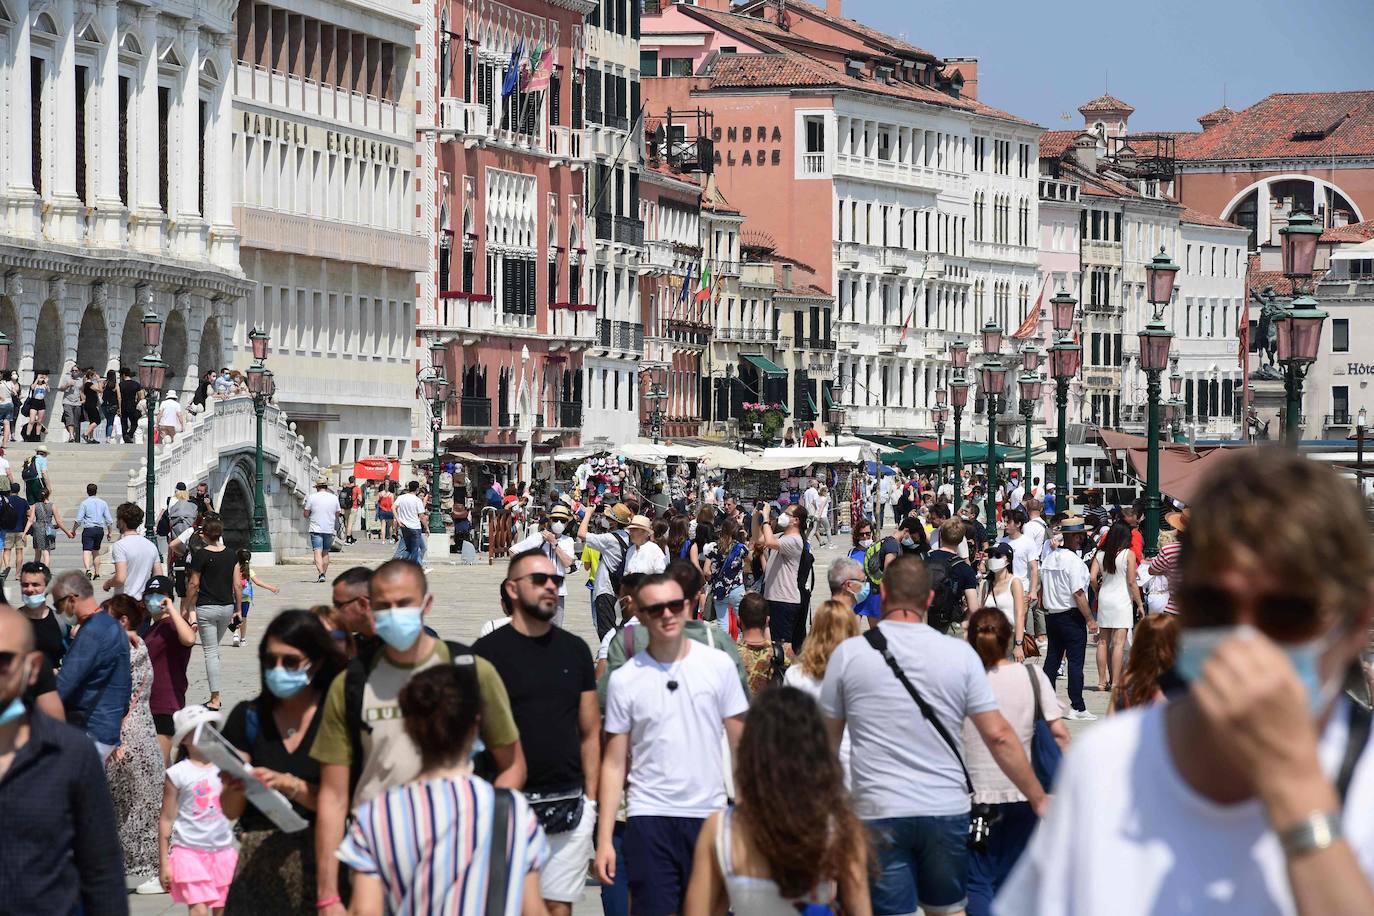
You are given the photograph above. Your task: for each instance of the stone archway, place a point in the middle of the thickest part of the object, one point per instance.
(47, 342)
(175, 353)
(9, 323)
(236, 510)
(92, 340)
(131, 347)
(211, 355)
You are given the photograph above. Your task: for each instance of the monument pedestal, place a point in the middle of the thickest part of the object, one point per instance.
(1268, 398)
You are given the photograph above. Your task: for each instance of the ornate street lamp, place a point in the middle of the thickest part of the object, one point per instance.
(261, 387)
(437, 390)
(958, 399)
(992, 377)
(939, 416)
(1065, 359)
(1155, 341)
(152, 372)
(656, 395)
(1062, 307)
(1299, 327)
(1031, 357)
(1031, 386)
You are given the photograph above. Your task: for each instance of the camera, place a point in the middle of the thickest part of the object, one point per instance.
(980, 824)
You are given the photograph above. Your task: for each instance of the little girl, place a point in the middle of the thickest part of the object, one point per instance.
(248, 579)
(195, 839)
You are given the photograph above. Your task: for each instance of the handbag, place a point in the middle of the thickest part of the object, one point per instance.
(558, 812)
(1029, 647)
(1045, 752)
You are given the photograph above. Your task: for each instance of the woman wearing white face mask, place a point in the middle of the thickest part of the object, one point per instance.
(552, 539)
(1003, 590)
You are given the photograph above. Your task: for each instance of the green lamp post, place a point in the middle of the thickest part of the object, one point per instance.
(262, 386)
(1031, 386)
(437, 389)
(992, 378)
(152, 373)
(939, 415)
(1066, 357)
(1299, 327)
(958, 400)
(1155, 341)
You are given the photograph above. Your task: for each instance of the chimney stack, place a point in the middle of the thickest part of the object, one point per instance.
(833, 7)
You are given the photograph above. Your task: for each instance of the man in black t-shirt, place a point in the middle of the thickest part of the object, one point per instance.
(128, 402)
(947, 554)
(549, 677)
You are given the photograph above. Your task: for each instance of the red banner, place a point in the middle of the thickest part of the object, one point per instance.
(377, 467)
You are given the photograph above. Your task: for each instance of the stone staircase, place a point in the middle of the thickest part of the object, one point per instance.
(72, 465)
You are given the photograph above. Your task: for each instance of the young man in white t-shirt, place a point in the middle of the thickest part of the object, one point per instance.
(409, 510)
(136, 559)
(322, 508)
(1252, 789)
(666, 709)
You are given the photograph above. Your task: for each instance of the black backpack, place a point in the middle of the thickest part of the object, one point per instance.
(346, 498)
(9, 515)
(806, 582)
(615, 575)
(946, 595)
(355, 681)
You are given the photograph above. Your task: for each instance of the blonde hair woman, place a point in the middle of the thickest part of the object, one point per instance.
(832, 624)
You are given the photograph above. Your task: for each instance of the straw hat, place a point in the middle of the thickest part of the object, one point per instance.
(622, 514)
(642, 523)
(1072, 524)
(1177, 520)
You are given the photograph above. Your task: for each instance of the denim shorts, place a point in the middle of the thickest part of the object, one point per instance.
(321, 541)
(923, 862)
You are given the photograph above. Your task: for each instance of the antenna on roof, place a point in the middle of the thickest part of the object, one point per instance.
(1223, 95)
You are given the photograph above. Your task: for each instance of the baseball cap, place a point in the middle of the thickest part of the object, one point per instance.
(161, 585)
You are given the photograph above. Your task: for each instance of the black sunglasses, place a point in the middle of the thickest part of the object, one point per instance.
(272, 660)
(7, 660)
(672, 607)
(540, 579)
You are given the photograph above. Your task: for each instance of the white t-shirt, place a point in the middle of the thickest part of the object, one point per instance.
(536, 542)
(1018, 493)
(200, 822)
(323, 507)
(947, 491)
(1062, 574)
(4, 466)
(1037, 531)
(647, 558)
(169, 412)
(1023, 552)
(138, 554)
(1126, 835)
(668, 728)
(408, 508)
(901, 765)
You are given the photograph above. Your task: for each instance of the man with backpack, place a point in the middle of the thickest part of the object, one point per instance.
(953, 583)
(350, 498)
(16, 515)
(361, 744)
(615, 549)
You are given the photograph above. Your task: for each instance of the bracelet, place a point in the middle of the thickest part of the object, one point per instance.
(327, 901)
(1316, 831)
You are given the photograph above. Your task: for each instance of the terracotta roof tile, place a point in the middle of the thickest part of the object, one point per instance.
(1198, 218)
(1105, 103)
(1212, 118)
(1055, 143)
(1256, 280)
(1290, 125)
(1354, 232)
(881, 39)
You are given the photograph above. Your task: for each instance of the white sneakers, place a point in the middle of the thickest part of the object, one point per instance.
(1081, 715)
(152, 886)
(238, 640)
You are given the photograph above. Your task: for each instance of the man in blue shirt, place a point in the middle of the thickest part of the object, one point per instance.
(15, 517)
(55, 810)
(94, 520)
(95, 681)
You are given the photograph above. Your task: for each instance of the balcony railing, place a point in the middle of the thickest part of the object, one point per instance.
(813, 163)
(474, 412)
(618, 122)
(565, 143)
(629, 231)
(813, 343)
(622, 335)
(464, 119)
(1337, 419)
(569, 414)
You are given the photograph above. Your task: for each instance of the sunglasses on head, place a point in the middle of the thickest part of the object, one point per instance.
(272, 660)
(540, 579)
(671, 607)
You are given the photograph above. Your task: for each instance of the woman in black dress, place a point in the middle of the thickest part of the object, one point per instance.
(109, 403)
(90, 404)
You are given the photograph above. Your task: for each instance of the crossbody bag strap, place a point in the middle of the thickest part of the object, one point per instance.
(498, 862)
(877, 640)
(1035, 693)
(1357, 738)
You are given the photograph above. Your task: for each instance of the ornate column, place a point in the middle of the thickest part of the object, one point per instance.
(107, 227)
(219, 198)
(187, 226)
(146, 223)
(64, 214)
(20, 201)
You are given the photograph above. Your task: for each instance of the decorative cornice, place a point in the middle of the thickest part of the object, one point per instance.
(127, 269)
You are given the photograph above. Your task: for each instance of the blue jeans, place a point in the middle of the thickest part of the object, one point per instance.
(411, 546)
(987, 870)
(923, 861)
(1068, 634)
(615, 898)
(732, 600)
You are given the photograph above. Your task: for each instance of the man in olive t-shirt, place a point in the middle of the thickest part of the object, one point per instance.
(399, 599)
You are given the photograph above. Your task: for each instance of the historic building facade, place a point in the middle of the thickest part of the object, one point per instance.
(114, 185)
(323, 153)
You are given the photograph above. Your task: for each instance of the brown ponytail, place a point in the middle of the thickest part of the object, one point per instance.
(989, 632)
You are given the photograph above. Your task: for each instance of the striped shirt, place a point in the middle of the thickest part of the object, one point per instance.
(429, 843)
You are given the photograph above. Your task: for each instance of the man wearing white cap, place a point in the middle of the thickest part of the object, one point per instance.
(322, 508)
(170, 420)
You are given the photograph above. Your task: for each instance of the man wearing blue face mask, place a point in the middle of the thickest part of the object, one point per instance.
(55, 810)
(1252, 789)
(362, 746)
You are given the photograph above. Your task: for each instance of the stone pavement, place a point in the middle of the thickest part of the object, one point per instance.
(465, 597)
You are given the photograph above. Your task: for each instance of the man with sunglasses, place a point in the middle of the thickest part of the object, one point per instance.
(548, 676)
(666, 710)
(1252, 789)
(55, 810)
(352, 600)
(551, 538)
(95, 681)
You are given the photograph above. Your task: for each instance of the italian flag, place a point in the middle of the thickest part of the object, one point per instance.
(704, 291)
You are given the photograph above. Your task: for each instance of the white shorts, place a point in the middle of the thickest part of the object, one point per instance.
(564, 876)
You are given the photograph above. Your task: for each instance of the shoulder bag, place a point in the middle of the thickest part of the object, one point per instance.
(1045, 752)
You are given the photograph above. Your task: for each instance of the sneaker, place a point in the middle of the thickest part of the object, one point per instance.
(321, 578)
(238, 640)
(1081, 715)
(152, 886)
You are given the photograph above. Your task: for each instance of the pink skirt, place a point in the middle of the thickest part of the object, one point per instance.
(201, 875)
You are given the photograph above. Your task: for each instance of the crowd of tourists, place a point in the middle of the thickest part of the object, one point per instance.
(735, 741)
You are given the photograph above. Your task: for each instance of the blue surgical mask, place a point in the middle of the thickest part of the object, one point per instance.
(35, 601)
(286, 684)
(908, 542)
(1196, 646)
(862, 594)
(399, 627)
(12, 711)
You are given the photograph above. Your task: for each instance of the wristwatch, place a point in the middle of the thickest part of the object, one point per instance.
(1316, 831)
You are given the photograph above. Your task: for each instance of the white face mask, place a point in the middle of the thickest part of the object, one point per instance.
(866, 543)
(997, 563)
(557, 527)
